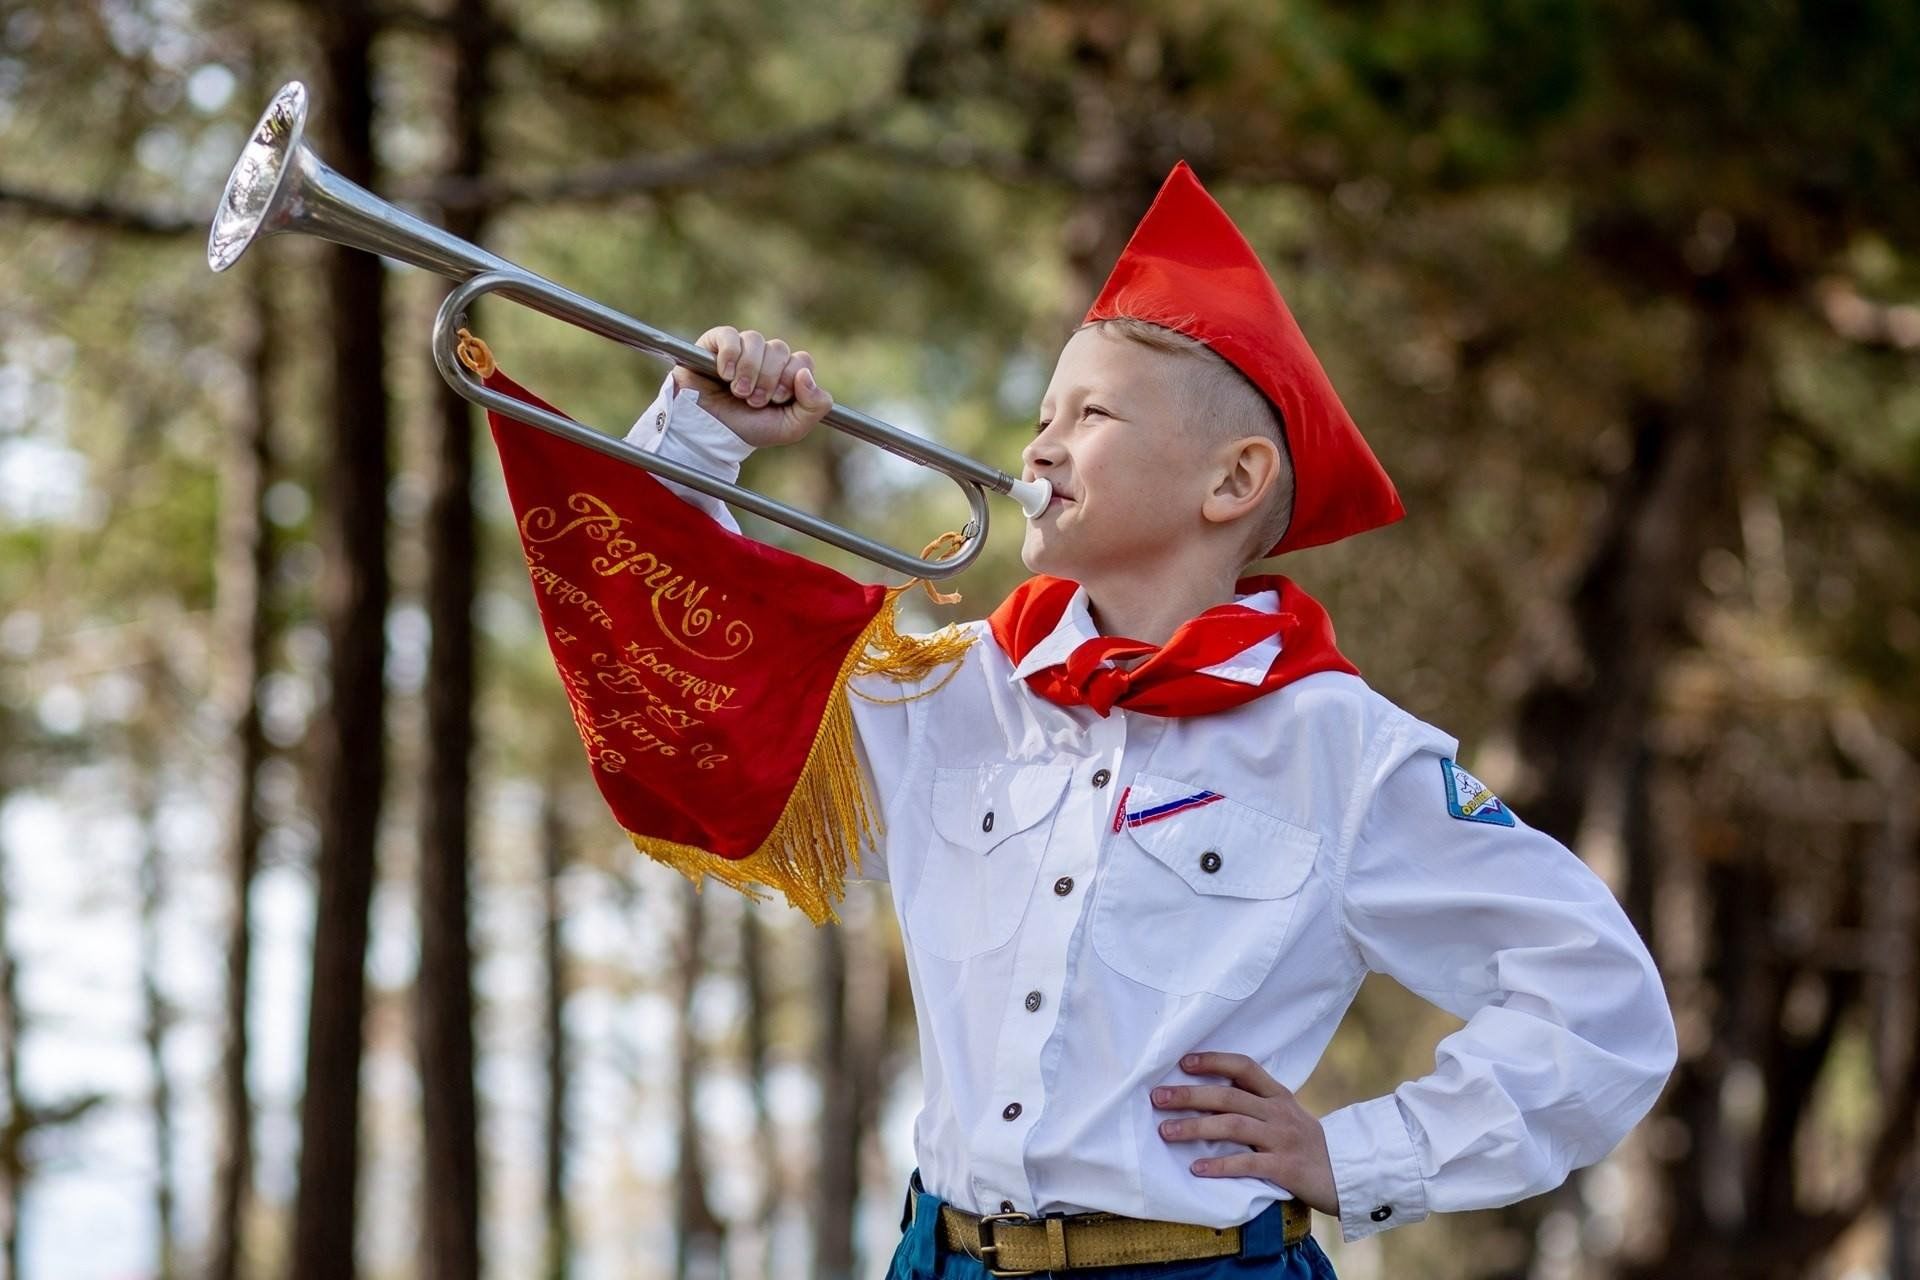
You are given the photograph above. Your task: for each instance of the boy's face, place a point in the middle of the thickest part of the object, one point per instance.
(1128, 478)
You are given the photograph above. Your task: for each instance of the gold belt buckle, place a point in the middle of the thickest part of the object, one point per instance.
(989, 1249)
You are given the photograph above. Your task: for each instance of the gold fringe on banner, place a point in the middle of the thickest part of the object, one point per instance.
(829, 813)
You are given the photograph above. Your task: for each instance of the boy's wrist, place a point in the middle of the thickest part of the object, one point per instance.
(692, 420)
(676, 424)
(1376, 1169)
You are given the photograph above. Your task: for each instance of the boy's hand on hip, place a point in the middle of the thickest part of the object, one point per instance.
(1286, 1144)
(769, 396)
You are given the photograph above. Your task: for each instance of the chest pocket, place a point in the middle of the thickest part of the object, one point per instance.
(1202, 900)
(991, 826)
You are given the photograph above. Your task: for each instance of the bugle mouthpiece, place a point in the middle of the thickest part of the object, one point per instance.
(1032, 495)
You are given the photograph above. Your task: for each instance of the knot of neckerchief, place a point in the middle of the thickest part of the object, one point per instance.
(1171, 679)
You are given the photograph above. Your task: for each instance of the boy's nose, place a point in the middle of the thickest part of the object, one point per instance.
(1039, 455)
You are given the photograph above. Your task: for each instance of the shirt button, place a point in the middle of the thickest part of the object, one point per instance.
(1380, 1214)
(1101, 777)
(1033, 1001)
(1209, 861)
(986, 823)
(1012, 1112)
(1063, 886)
(660, 421)
(1006, 1206)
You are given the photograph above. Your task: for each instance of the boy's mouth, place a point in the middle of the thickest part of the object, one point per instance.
(1059, 498)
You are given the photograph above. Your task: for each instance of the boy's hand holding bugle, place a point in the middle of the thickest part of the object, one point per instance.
(769, 395)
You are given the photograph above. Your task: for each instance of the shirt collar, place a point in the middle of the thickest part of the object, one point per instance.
(1075, 627)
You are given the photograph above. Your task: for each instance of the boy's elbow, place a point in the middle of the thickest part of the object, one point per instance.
(1665, 1052)
(1662, 1039)
(1644, 1049)
(1669, 1048)
(1650, 1042)
(1649, 1060)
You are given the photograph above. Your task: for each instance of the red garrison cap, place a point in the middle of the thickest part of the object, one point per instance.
(1189, 269)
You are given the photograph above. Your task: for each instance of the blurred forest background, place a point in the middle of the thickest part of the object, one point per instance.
(320, 956)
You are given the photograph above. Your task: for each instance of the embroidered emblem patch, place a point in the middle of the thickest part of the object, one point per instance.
(1470, 800)
(1169, 808)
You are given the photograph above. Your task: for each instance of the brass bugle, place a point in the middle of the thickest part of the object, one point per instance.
(278, 184)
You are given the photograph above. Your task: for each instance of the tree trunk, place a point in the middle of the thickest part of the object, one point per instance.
(699, 1237)
(352, 750)
(1116, 166)
(13, 1165)
(1579, 724)
(853, 1025)
(450, 1238)
(759, 1017)
(869, 983)
(157, 1019)
(553, 843)
(245, 627)
(836, 1179)
(1582, 721)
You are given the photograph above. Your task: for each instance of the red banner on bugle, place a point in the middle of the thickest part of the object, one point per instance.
(707, 672)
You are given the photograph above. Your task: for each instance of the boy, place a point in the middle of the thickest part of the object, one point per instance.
(1149, 836)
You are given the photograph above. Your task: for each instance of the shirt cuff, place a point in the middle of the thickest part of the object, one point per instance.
(697, 435)
(1376, 1172)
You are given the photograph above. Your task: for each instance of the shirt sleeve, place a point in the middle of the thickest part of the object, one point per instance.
(1568, 1037)
(675, 426)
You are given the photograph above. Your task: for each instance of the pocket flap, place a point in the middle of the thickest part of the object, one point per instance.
(977, 808)
(1254, 854)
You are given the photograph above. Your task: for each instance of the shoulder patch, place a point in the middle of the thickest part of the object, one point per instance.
(1469, 799)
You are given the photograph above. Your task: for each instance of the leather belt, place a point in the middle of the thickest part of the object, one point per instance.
(1018, 1244)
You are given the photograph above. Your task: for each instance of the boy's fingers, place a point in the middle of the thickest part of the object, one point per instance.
(753, 348)
(810, 402)
(1242, 1164)
(783, 389)
(1237, 1067)
(1228, 1127)
(724, 341)
(772, 362)
(812, 396)
(1206, 1097)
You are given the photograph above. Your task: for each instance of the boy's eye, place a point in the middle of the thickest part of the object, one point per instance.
(1094, 408)
(1040, 426)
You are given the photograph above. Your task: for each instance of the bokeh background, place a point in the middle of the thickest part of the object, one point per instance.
(320, 956)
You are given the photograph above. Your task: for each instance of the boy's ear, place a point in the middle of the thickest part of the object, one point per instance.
(1247, 470)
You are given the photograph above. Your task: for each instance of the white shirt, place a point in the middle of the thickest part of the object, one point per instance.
(1062, 960)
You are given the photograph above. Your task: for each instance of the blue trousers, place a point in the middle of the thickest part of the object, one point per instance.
(923, 1254)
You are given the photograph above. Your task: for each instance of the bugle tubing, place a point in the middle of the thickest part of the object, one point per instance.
(279, 185)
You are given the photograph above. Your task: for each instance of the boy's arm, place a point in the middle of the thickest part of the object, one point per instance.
(764, 393)
(1568, 1037)
(675, 426)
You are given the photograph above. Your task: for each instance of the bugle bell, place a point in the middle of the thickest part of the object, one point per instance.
(278, 184)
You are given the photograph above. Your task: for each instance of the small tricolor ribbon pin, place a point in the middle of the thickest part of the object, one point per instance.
(1162, 811)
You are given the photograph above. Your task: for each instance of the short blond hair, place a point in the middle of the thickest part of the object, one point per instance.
(1226, 406)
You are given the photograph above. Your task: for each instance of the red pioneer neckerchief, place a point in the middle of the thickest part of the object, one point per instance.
(1171, 681)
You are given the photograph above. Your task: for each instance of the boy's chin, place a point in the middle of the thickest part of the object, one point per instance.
(1042, 555)
(1038, 556)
